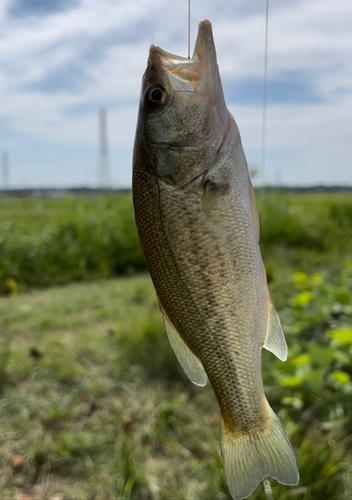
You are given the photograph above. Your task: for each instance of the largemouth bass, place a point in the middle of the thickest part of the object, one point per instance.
(198, 227)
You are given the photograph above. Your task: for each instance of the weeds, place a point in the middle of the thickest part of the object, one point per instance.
(103, 410)
(50, 241)
(93, 403)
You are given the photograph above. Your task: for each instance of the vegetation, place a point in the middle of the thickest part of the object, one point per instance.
(47, 241)
(93, 404)
(305, 231)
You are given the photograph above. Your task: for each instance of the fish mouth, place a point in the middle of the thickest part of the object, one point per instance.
(204, 56)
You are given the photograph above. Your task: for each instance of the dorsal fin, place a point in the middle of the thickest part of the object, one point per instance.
(274, 338)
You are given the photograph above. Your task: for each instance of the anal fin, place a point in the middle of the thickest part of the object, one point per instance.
(190, 363)
(274, 338)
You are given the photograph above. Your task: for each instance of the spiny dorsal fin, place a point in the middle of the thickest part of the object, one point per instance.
(190, 363)
(274, 338)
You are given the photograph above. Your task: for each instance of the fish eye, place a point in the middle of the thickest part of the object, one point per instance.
(155, 96)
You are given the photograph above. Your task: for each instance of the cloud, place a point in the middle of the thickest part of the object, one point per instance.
(61, 61)
(289, 89)
(69, 77)
(25, 8)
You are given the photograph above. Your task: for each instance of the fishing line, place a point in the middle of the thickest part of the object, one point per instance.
(189, 29)
(265, 87)
(266, 482)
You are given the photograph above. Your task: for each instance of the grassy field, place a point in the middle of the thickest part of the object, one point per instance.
(47, 241)
(93, 404)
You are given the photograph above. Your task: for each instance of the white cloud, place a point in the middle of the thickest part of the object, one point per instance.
(108, 41)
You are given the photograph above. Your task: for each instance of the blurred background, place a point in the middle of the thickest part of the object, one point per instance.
(62, 62)
(93, 403)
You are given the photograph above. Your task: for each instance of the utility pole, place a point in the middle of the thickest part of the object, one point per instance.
(5, 168)
(104, 173)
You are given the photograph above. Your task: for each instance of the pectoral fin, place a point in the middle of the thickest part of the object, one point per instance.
(274, 339)
(189, 362)
(212, 191)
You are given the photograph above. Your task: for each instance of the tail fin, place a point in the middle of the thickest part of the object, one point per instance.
(249, 459)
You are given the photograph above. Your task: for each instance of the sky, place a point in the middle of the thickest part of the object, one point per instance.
(62, 61)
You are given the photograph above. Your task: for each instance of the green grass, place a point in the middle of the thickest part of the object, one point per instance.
(94, 402)
(90, 418)
(47, 241)
(305, 231)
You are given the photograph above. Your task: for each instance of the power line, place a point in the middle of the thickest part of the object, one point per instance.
(104, 171)
(5, 168)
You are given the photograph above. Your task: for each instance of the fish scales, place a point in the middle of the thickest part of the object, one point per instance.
(177, 237)
(214, 304)
(198, 227)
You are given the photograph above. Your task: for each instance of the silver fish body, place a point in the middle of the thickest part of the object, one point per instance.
(198, 226)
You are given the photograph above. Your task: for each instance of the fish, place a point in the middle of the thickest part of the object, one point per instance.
(198, 227)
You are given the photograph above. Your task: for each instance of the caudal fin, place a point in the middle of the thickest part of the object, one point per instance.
(249, 459)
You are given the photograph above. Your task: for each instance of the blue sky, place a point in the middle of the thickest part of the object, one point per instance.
(61, 61)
